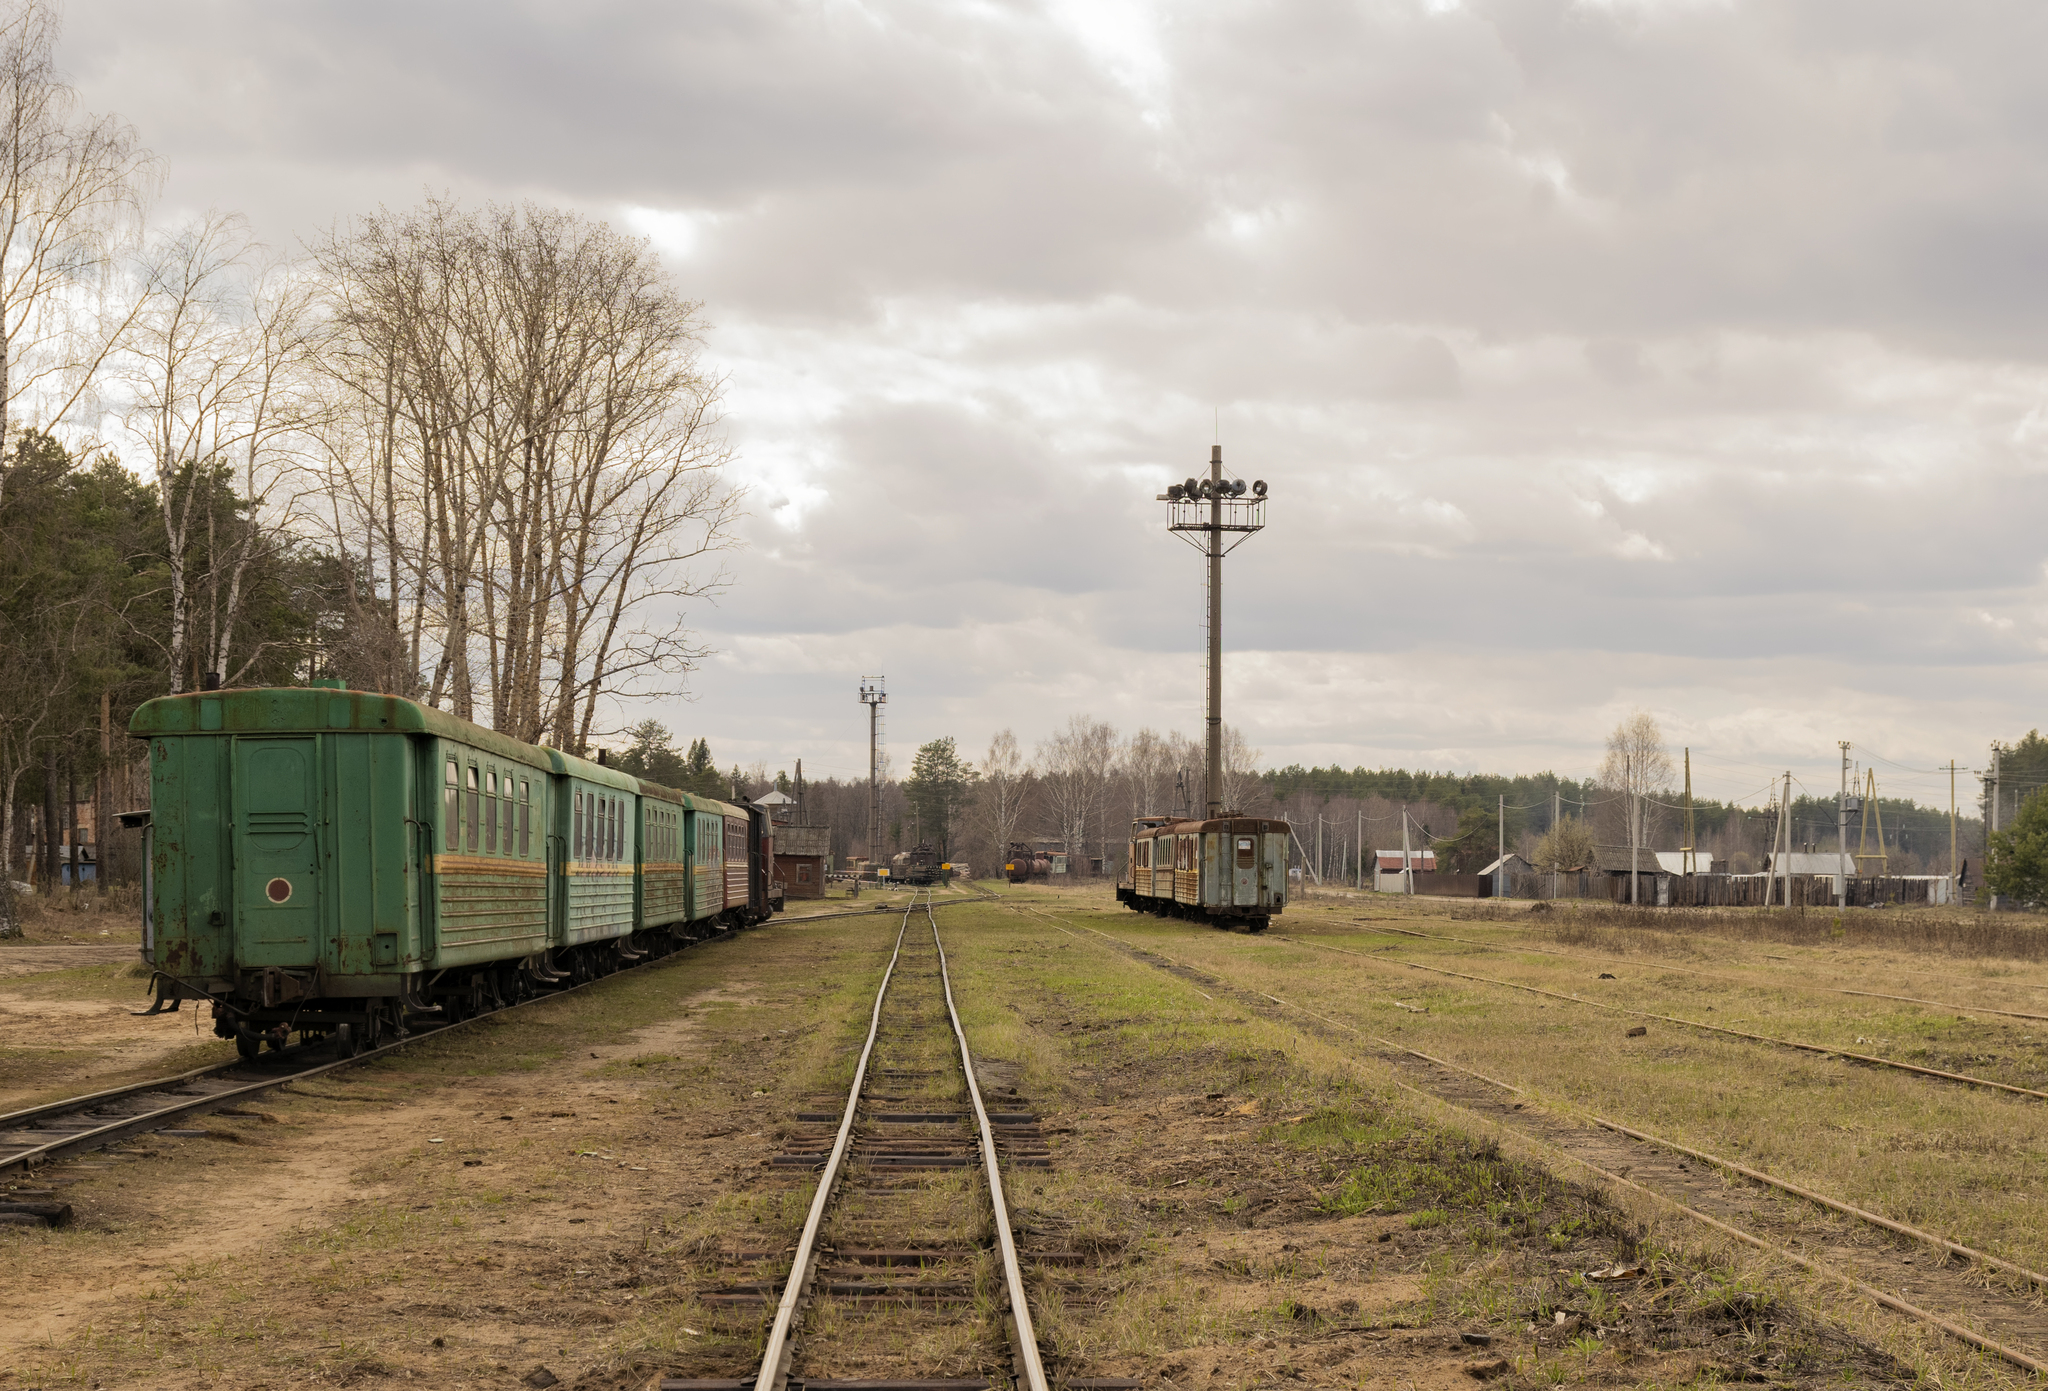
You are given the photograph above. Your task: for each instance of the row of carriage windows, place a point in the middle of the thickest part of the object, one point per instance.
(483, 811)
(664, 834)
(598, 827)
(480, 811)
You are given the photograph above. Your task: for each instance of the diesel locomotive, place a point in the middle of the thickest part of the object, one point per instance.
(1230, 871)
(336, 863)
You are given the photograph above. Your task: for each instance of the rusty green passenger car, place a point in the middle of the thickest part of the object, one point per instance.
(335, 862)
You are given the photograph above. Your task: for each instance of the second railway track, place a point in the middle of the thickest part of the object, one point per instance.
(1988, 1303)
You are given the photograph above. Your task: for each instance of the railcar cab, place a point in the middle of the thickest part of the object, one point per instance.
(1231, 871)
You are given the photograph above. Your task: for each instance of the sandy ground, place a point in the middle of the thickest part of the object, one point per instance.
(69, 1024)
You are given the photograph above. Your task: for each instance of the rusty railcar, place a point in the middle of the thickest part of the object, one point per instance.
(1230, 871)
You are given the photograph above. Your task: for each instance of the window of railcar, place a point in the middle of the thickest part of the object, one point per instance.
(510, 817)
(576, 831)
(612, 823)
(451, 808)
(490, 811)
(473, 808)
(525, 817)
(1244, 852)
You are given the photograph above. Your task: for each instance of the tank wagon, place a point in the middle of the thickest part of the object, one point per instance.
(331, 862)
(1230, 871)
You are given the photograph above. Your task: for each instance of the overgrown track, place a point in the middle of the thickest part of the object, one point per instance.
(897, 1257)
(95, 1120)
(1868, 1059)
(2006, 1322)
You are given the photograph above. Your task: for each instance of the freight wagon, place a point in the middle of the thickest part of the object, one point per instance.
(331, 862)
(1230, 871)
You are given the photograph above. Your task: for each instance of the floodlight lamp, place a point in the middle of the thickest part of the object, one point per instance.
(1258, 487)
(1173, 492)
(1190, 489)
(1237, 488)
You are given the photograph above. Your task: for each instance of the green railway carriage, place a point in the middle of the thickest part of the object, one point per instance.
(337, 862)
(664, 865)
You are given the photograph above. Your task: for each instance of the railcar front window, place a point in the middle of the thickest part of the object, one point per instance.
(451, 809)
(1244, 852)
(473, 808)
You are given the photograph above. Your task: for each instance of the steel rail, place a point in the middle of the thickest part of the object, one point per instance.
(14, 1120)
(126, 1127)
(869, 913)
(776, 1352)
(1868, 1058)
(1710, 975)
(1887, 1300)
(1013, 1272)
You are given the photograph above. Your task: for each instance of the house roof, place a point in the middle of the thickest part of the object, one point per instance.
(1509, 861)
(775, 799)
(1390, 860)
(803, 840)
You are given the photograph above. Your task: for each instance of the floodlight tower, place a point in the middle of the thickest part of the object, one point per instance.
(874, 694)
(1208, 508)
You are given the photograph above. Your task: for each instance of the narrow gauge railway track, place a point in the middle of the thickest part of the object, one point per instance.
(915, 1160)
(1375, 926)
(1868, 1059)
(75, 1125)
(2010, 1325)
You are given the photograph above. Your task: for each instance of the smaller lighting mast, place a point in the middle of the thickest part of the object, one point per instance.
(1208, 508)
(874, 694)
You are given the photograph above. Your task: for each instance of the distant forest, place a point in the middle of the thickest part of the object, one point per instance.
(1454, 814)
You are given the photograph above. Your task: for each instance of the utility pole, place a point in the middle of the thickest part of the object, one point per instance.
(1321, 863)
(1688, 857)
(1842, 834)
(1359, 838)
(1784, 820)
(1556, 802)
(1994, 816)
(1500, 825)
(1227, 509)
(1954, 884)
(1407, 865)
(874, 694)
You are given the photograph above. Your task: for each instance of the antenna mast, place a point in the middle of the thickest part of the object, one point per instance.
(1208, 508)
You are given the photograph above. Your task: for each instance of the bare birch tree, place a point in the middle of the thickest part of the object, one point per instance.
(1001, 796)
(214, 370)
(1074, 768)
(1638, 768)
(70, 190)
(533, 448)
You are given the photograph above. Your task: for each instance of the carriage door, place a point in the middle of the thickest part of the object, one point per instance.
(277, 858)
(1244, 866)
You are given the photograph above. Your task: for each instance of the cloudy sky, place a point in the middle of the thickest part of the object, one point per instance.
(1660, 353)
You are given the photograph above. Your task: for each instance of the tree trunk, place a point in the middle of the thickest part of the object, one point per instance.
(50, 821)
(71, 815)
